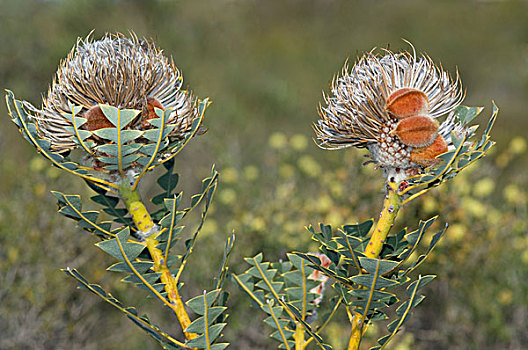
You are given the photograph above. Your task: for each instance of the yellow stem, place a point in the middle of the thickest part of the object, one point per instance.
(299, 336)
(145, 224)
(355, 333)
(391, 206)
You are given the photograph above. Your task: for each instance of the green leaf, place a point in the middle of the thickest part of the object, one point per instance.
(367, 281)
(140, 266)
(119, 117)
(467, 114)
(112, 150)
(283, 334)
(245, 282)
(147, 278)
(414, 238)
(404, 310)
(197, 304)
(262, 271)
(143, 322)
(200, 341)
(110, 203)
(149, 149)
(421, 258)
(230, 242)
(153, 135)
(167, 182)
(81, 135)
(330, 271)
(121, 137)
(359, 230)
(376, 295)
(270, 286)
(371, 265)
(198, 325)
(107, 134)
(119, 247)
(71, 207)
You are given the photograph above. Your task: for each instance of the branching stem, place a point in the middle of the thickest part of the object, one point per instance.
(391, 206)
(145, 224)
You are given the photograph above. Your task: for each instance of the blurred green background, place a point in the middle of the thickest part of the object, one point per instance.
(264, 65)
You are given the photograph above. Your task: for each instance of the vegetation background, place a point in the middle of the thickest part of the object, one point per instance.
(264, 64)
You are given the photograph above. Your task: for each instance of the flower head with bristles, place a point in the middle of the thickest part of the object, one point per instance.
(126, 73)
(389, 103)
(118, 99)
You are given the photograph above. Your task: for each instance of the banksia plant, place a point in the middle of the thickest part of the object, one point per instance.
(408, 113)
(115, 110)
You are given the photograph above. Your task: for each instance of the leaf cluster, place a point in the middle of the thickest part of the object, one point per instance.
(364, 286)
(284, 291)
(136, 263)
(122, 149)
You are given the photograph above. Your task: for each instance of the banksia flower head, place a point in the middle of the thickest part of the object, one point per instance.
(390, 104)
(125, 73)
(118, 99)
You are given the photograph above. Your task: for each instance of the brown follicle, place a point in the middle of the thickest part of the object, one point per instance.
(426, 156)
(407, 102)
(152, 103)
(417, 131)
(95, 119)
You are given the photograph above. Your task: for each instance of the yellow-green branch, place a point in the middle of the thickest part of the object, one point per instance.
(299, 336)
(145, 224)
(391, 206)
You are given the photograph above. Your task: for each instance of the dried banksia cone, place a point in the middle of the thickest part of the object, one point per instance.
(120, 100)
(389, 103)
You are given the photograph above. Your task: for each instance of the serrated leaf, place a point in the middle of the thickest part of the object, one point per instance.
(118, 117)
(371, 265)
(359, 230)
(119, 247)
(197, 326)
(214, 333)
(143, 322)
(150, 278)
(367, 281)
(197, 304)
(467, 114)
(140, 266)
(269, 285)
(121, 137)
(422, 257)
(414, 238)
(167, 182)
(403, 311)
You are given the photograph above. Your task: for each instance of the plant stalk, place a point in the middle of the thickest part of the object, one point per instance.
(391, 206)
(145, 224)
(299, 336)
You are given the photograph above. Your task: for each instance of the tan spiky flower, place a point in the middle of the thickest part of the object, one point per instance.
(126, 73)
(389, 103)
